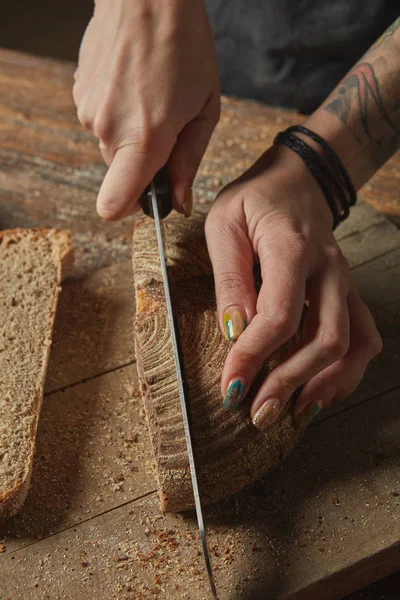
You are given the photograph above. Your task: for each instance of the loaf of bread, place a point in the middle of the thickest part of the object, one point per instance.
(229, 451)
(32, 265)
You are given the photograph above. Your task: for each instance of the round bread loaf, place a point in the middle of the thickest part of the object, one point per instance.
(229, 451)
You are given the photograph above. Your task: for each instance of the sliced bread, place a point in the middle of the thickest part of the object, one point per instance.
(32, 265)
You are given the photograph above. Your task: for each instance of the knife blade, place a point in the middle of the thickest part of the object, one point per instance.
(154, 205)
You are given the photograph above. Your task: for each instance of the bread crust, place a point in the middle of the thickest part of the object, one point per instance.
(13, 498)
(60, 238)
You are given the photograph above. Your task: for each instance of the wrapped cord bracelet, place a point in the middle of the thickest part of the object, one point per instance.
(332, 177)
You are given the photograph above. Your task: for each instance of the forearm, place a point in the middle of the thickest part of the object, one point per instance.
(361, 117)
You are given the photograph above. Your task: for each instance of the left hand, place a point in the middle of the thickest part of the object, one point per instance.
(277, 214)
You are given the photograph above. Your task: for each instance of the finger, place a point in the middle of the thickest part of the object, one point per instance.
(279, 308)
(187, 154)
(106, 153)
(326, 340)
(341, 379)
(232, 260)
(129, 173)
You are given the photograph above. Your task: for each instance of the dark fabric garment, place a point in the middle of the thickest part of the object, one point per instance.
(293, 52)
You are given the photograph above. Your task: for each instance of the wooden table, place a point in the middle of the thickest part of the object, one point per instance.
(324, 524)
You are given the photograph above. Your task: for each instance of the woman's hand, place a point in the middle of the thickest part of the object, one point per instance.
(277, 213)
(147, 86)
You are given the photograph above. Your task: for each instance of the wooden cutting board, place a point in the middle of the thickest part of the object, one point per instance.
(324, 524)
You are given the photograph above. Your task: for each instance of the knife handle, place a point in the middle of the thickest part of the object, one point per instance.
(163, 193)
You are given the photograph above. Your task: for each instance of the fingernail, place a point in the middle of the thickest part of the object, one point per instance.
(234, 323)
(308, 414)
(267, 413)
(188, 204)
(235, 393)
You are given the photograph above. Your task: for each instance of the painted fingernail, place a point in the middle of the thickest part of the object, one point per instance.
(188, 204)
(267, 413)
(235, 393)
(234, 323)
(308, 415)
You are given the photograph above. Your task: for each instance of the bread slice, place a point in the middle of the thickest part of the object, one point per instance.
(32, 265)
(230, 452)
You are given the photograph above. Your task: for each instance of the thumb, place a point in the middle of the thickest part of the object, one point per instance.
(129, 174)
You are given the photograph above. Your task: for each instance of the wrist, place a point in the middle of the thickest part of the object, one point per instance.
(297, 182)
(165, 4)
(171, 14)
(337, 135)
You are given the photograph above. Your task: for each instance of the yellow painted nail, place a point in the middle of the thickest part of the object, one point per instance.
(188, 204)
(234, 323)
(267, 414)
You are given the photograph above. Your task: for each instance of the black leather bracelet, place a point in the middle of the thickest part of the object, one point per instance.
(331, 176)
(335, 160)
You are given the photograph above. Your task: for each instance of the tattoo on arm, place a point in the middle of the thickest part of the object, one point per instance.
(367, 101)
(366, 87)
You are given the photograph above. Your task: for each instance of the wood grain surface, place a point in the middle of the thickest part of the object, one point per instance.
(324, 524)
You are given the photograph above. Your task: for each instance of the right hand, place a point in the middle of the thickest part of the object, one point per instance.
(275, 213)
(147, 86)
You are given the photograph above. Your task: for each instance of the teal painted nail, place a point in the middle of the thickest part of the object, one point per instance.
(309, 414)
(235, 393)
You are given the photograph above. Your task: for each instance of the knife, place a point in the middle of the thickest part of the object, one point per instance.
(156, 203)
